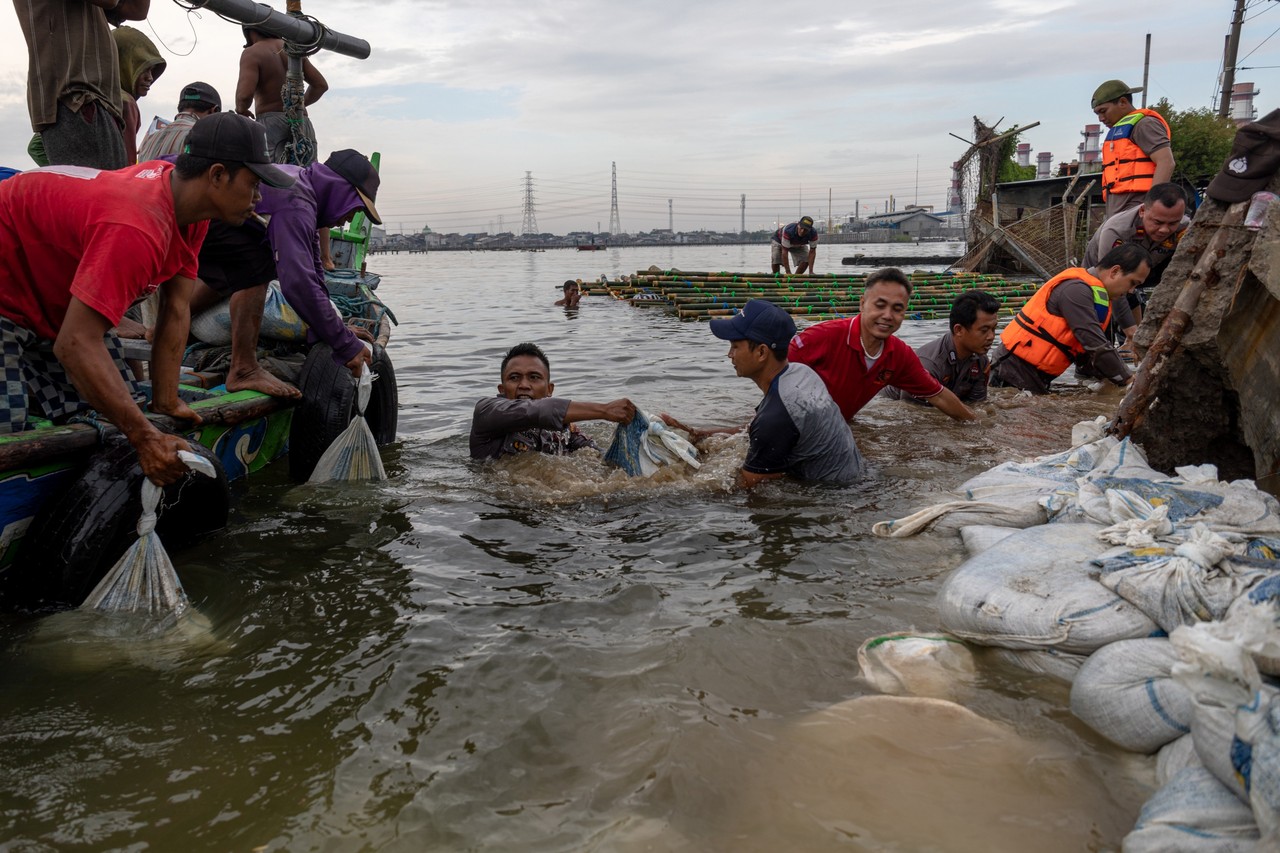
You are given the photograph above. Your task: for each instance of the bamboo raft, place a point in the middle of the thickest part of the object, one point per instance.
(701, 295)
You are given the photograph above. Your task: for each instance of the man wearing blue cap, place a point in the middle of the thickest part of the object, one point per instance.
(798, 429)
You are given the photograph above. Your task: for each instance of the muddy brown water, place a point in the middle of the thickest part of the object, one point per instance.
(541, 655)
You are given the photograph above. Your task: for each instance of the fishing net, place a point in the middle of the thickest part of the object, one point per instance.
(353, 456)
(645, 444)
(144, 580)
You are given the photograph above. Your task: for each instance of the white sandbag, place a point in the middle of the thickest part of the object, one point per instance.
(1258, 732)
(1191, 582)
(1174, 757)
(1036, 590)
(979, 537)
(1216, 666)
(1012, 494)
(1193, 813)
(1125, 692)
(1063, 666)
(910, 664)
(1266, 651)
(1238, 507)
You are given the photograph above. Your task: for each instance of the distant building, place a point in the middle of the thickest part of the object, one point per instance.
(914, 221)
(1090, 149)
(1242, 109)
(1044, 164)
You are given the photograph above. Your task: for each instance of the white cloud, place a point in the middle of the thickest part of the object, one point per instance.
(695, 102)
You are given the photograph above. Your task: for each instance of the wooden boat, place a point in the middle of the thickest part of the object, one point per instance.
(70, 493)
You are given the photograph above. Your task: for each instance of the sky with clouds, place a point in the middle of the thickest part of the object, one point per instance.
(698, 103)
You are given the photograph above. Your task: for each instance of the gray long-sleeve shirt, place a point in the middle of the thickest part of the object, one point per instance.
(500, 427)
(1073, 301)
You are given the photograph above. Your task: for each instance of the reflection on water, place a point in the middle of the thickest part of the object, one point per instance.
(539, 654)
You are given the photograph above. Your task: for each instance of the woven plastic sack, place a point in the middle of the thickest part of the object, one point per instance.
(1126, 693)
(1036, 589)
(645, 444)
(1193, 813)
(353, 456)
(144, 580)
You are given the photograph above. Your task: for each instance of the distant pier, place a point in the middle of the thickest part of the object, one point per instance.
(898, 260)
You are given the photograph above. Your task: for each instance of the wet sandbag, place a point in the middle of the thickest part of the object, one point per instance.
(979, 537)
(1037, 590)
(1176, 756)
(1126, 692)
(1194, 495)
(1052, 663)
(1194, 581)
(911, 664)
(1233, 706)
(644, 445)
(1012, 494)
(1193, 813)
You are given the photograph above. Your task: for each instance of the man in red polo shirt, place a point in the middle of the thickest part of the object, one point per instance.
(859, 356)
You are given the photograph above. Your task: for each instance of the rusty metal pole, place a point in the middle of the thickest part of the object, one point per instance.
(1204, 275)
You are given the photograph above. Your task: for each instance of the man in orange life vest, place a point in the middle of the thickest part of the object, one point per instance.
(1136, 154)
(1063, 323)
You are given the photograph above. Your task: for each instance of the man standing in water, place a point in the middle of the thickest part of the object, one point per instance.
(77, 246)
(796, 242)
(524, 417)
(797, 430)
(1063, 324)
(958, 359)
(859, 356)
(263, 67)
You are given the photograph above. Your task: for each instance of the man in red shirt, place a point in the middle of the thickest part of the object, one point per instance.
(78, 246)
(859, 356)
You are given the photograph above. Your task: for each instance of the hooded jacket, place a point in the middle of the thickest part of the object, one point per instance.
(137, 53)
(319, 198)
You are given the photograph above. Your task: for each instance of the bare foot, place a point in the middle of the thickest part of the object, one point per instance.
(260, 380)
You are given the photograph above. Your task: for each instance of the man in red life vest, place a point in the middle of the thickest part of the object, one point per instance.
(1063, 323)
(1136, 153)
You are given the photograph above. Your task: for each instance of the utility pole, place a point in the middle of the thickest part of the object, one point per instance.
(615, 224)
(1146, 68)
(1229, 60)
(530, 224)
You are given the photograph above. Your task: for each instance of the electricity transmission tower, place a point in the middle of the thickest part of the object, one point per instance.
(744, 213)
(530, 224)
(671, 220)
(615, 225)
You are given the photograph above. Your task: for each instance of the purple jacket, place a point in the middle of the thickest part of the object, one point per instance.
(320, 197)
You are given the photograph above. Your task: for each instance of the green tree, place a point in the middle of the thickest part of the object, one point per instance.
(1200, 138)
(1009, 168)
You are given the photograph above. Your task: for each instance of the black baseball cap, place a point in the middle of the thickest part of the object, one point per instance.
(359, 172)
(1254, 159)
(202, 96)
(230, 137)
(760, 321)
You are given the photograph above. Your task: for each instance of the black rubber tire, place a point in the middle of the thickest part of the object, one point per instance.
(329, 403)
(76, 538)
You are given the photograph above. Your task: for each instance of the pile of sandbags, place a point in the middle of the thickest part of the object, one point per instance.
(1155, 598)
